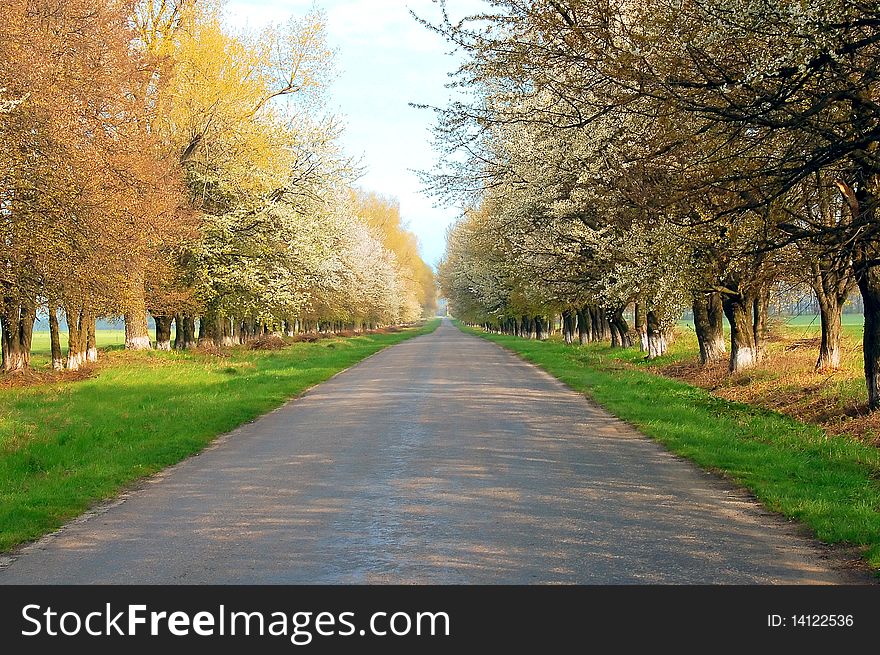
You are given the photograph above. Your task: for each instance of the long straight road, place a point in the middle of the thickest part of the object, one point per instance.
(444, 459)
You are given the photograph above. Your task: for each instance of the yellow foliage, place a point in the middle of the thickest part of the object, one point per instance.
(382, 215)
(214, 97)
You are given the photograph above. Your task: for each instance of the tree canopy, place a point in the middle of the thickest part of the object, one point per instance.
(664, 155)
(154, 160)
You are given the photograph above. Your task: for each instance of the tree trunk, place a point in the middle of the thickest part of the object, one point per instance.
(862, 202)
(583, 325)
(829, 350)
(137, 331)
(227, 332)
(832, 278)
(715, 310)
(616, 341)
(78, 322)
(595, 324)
(868, 279)
(642, 324)
(832, 286)
(739, 309)
(55, 339)
(209, 330)
(606, 326)
(760, 322)
(657, 344)
(17, 327)
(709, 326)
(91, 339)
(74, 345)
(178, 332)
(163, 332)
(568, 318)
(620, 330)
(539, 328)
(189, 332)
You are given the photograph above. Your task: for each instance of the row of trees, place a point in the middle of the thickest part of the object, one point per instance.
(665, 154)
(152, 160)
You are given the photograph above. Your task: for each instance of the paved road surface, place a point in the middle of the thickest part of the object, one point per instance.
(444, 459)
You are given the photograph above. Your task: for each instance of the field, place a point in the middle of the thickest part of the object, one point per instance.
(825, 478)
(812, 321)
(64, 446)
(41, 348)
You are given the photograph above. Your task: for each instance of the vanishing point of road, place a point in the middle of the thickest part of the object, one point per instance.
(444, 459)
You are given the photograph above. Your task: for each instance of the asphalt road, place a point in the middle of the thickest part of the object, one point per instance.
(444, 459)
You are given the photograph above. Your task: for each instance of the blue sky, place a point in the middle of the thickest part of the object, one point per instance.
(385, 60)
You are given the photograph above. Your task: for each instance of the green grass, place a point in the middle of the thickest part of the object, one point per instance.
(65, 446)
(806, 325)
(104, 338)
(857, 320)
(828, 483)
(41, 347)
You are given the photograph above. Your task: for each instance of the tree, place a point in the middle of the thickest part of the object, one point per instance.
(727, 124)
(83, 177)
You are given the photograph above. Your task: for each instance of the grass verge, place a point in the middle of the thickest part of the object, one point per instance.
(65, 446)
(786, 381)
(829, 483)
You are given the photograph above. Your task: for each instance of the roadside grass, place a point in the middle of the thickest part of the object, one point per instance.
(66, 446)
(831, 483)
(786, 381)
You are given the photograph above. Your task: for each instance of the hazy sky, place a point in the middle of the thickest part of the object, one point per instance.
(385, 60)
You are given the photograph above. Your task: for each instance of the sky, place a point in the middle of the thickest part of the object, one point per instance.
(384, 60)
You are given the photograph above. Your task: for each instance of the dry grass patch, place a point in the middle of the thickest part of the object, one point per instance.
(32, 378)
(788, 382)
(267, 342)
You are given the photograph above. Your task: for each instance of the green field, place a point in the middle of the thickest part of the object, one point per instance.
(831, 484)
(65, 446)
(807, 324)
(813, 320)
(41, 347)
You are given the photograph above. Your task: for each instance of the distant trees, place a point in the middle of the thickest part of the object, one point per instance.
(418, 285)
(660, 155)
(153, 161)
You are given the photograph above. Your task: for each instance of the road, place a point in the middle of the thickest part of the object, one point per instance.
(444, 459)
